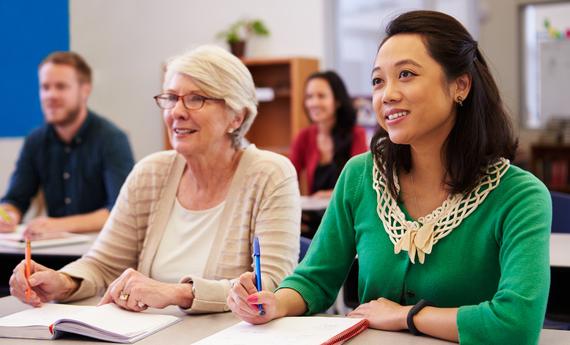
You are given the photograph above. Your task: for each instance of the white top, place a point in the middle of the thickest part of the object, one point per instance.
(187, 242)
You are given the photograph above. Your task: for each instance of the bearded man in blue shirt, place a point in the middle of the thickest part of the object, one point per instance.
(78, 159)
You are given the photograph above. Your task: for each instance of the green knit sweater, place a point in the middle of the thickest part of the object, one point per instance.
(494, 266)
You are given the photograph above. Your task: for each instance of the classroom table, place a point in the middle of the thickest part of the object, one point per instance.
(558, 308)
(559, 250)
(195, 327)
(311, 203)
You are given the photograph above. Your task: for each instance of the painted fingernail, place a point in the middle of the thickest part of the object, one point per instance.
(252, 298)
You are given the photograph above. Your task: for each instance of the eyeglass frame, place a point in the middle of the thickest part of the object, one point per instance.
(204, 99)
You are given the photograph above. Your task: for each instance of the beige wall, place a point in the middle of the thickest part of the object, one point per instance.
(499, 39)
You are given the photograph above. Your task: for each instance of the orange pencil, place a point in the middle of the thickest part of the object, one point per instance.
(28, 268)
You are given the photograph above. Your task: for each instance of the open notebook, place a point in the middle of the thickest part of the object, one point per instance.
(299, 330)
(107, 322)
(16, 239)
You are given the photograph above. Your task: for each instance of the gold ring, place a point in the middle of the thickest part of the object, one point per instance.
(124, 296)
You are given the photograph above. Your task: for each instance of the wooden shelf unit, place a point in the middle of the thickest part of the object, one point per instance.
(279, 120)
(551, 164)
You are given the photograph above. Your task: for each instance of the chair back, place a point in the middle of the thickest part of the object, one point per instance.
(560, 212)
(305, 243)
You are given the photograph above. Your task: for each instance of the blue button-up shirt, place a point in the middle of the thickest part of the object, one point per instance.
(77, 177)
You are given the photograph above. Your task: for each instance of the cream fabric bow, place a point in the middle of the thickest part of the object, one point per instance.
(418, 242)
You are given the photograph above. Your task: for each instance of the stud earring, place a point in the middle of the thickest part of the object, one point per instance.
(231, 130)
(459, 101)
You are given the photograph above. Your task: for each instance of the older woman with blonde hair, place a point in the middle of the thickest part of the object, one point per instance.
(184, 222)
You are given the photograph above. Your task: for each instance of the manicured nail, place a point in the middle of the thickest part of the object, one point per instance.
(252, 298)
(32, 281)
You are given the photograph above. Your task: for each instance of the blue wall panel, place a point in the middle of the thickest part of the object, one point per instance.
(29, 30)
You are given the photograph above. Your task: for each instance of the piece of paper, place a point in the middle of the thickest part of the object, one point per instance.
(48, 239)
(302, 330)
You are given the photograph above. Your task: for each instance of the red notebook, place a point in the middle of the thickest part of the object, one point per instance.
(348, 333)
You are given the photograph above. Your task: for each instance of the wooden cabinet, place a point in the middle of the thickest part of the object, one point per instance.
(550, 163)
(281, 118)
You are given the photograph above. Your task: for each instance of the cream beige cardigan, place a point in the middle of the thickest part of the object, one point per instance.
(263, 200)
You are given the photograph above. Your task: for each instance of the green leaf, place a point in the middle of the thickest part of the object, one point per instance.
(242, 29)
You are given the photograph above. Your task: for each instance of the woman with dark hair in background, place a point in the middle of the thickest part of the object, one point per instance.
(435, 212)
(323, 149)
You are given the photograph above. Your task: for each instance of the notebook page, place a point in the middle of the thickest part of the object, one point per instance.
(43, 316)
(111, 319)
(301, 330)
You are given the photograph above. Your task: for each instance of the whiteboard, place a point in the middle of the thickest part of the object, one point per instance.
(554, 79)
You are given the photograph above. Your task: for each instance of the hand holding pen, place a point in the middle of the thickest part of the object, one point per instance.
(246, 298)
(40, 285)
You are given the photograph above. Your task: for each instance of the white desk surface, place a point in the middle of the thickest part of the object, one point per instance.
(195, 327)
(311, 203)
(560, 250)
(77, 249)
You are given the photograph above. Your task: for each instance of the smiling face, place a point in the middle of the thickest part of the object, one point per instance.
(412, 98)
(319, 101)
(200, 131)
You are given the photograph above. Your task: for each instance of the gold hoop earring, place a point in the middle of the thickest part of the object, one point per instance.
(459, 101)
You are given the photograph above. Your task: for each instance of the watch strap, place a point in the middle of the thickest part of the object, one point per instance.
(416, 309)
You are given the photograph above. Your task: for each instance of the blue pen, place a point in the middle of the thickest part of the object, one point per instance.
(256, 254)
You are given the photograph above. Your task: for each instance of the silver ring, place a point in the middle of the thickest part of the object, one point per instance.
(141, 304)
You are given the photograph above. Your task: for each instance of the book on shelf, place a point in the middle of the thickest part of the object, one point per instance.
(559, 174)
(39, 240)
(298, 330)
(107, 322)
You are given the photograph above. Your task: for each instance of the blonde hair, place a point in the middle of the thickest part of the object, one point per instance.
(220, 75)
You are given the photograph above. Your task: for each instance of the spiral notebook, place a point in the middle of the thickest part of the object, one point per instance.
(299, 330)
(107, 322)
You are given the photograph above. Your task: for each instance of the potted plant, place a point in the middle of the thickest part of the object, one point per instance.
(239, 32)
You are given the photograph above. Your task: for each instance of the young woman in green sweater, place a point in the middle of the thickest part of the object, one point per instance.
(435, 212)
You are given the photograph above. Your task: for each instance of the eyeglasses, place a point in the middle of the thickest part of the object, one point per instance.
(191, 101)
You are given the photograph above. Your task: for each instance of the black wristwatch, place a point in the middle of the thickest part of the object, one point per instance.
(416, 309)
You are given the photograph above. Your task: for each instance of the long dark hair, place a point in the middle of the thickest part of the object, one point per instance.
(345, 116)
(482, 132)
